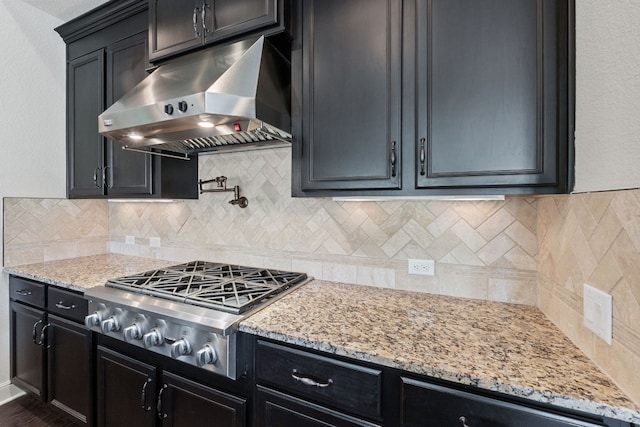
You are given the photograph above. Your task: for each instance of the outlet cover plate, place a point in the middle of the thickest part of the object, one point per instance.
(598, 312)
(154, 242)
(423, 267)
(130, 240)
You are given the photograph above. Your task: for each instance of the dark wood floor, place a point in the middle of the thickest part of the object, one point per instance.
(26, 411)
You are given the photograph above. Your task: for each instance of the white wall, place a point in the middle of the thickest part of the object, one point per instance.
(32, 119)
(607, 95)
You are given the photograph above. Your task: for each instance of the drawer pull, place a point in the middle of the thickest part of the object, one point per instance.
(310, 381)
(61, 305)
(24, 292)
(463, 420)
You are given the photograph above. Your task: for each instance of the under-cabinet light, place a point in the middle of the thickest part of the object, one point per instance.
(418, 198)
(141, 200)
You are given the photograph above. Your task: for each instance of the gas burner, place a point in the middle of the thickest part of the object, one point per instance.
(231, 288)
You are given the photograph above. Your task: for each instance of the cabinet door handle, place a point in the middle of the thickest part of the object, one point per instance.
(95, 177)
(143, 396)
(104, 178)
(310, 381)
(393, 159)
(34, 332)
(24, 292)
(43, 336)
(62, 306)
(463, 420)
(195, 21)
(205, 30)
(159, 404)
(422, 157)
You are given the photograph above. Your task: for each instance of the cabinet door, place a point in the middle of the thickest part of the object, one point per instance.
(85, 83)
(276, 409)
(232, 17)
(125, 391)
(488, 106)
(188, 404)
(426, 404)
(128, 173)
(69, 367)
(27, 356)
(347, 83)
(174, 26)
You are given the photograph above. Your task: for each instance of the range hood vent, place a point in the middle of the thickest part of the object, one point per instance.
(230, 97)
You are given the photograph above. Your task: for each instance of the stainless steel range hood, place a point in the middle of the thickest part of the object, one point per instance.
(233, 96)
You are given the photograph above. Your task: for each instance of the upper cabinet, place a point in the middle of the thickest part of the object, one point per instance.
(106, 57)
(176, 26)
(432, 97)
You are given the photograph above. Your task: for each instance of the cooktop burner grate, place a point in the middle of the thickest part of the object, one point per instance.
(226, 287)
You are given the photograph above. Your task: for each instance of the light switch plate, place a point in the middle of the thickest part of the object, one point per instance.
(598, 312)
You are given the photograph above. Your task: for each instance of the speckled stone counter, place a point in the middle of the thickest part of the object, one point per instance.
(82, 273)
(513, 349)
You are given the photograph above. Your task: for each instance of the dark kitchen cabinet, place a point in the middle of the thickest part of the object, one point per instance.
(279, 409)
(296, 387)
(27, 354)
(126, 391)
(132, 392)
(429, 404)
(183, 403)
(349, 74)
(84, 146)
(106, 57)
(178, 26)
(50, 347)
(476, 97)
(69, 367)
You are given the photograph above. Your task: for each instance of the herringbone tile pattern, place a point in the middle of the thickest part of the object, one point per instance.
(345, 238)
(37, 230)
(594, 239)
(488, 233)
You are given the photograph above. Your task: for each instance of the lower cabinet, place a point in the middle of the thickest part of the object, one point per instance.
(424, 403)
(131, 392)
(280, 409)
(301, 388)
(27, 354)
(50, 348)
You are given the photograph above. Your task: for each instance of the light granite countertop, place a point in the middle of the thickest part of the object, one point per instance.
(82, 273)
(509, 348)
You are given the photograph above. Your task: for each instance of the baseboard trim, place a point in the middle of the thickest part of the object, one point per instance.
(8, 392)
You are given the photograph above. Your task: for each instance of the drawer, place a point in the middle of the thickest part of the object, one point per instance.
(445, 407)
(70, 305)
(27, 291)
(341, 385)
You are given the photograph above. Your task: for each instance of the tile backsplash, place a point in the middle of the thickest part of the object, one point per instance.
(37, 230)
(595, 239)
(536, 251)
(483, 249)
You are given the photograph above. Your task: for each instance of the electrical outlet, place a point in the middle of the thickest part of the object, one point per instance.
(597, 312)
(423, 267)
(130, 240)
(154, 242)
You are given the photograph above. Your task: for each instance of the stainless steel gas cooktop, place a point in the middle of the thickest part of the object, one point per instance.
(231, 288)
(189, 312)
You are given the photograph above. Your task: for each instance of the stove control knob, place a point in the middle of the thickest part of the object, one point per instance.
(180, 348)
(206, 355)
(153, 338)
(182, 106)
(133, 332)
(93, 320)
(110, 325)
